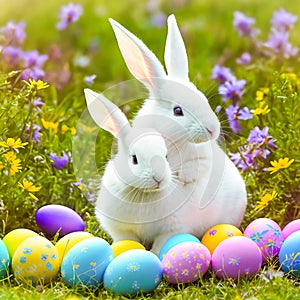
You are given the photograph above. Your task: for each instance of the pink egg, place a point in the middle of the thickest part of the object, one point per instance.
(290, 228)
(267, 235)
(186, 262)
(236, 257)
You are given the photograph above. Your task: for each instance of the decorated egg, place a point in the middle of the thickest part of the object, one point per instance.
(4, 260)
(290, 228)
(55, 218)
(68, 241)
(267, 235)
(85, 263)
(125, 245)
(216, 234)
(14, 238)
(36, 260)
(132, 272)
(236, 257)
(174, 240)
(289, 255)
(186, 262)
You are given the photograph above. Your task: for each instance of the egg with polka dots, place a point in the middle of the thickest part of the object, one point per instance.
(186, 262)
(85, 263)
(35, 260)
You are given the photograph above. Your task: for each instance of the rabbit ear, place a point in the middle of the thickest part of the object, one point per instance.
(176, 60)
(106, 114)
(141, 62)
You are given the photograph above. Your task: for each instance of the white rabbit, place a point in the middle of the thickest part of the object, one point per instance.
(210, 189)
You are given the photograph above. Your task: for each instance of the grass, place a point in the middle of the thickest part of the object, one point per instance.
(210, 39)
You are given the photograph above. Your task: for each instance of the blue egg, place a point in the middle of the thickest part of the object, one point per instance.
(85, 263)
(175, 240)
(132, 272)
(289, 255)
(4, 260)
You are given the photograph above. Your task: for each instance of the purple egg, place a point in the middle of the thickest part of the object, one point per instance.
(267, 235)
(186, 262)
(55, 218)
(290, 228)
(236, 257)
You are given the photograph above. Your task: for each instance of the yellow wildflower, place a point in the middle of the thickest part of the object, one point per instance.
(282, 163)
(36, 85)
(14, 162)
(264, 201)
(12, 143)
(65, 128)
(262, 109)
(260, 94)
(33, 197)
(291, 76)
(50, 125)
(1, 165)
(28, 186)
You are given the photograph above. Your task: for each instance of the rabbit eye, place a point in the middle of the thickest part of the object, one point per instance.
(177, 110)
(134, 160)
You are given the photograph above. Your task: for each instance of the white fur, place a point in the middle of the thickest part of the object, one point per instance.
(207, 188)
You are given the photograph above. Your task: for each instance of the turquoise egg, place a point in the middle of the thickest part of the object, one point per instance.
(132, 272)
(85, 263)
(4, 260)
(175, 240)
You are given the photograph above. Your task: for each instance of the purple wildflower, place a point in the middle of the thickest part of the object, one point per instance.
(283, 20)
(158, 19)
(244, 159)
(223, 74)
(260, 137)
(33, 62)
(59, 162)
(36, 135)
(279, 42)
(244, 24)
(233, 90)
(89, 80)
(12, 55)
(234, 113)
(13, 32)
(69, 14)
(244, 59)
(38, 102)
(261, 152)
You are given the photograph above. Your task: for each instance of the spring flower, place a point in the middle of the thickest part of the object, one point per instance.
(28, 186)
(12, 55)
(261, 137)
(14, 163)
(244, 59)
(233, 90)
(13, 32)
(234, 112)
(38, 102)
(59, 162)
(36, 85)
(50, 125)
(261, 93)
(222, 74)
(12, 143)
(158, 19)
(283, 20)
(69, 14)
(264, 201)
(65, 128)
(282, 163)
(262, 109)
(89, 80)
(33, 63)
(244, 25)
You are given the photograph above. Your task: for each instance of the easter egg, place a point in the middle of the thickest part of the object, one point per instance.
(290, 228)
(267, 235)
(55, 218)
(85, 263)
(4, 260)
(14, 238)
(174, 240)
(132, 272)
(236, 257)
(289, 254)
(216, 234)
(186, 262)
(36, 260)
(64, 244)
(125, 245)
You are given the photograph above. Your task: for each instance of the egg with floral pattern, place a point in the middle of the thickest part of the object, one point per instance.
(186, 262)
(36, 260)
(236, 257)
(267, 234)
(85, 263)
(132, 272)
(4, 260)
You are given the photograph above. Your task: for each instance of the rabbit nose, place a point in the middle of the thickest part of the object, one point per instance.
(158, 166)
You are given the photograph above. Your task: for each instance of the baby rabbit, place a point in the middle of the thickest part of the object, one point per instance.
(209, 187)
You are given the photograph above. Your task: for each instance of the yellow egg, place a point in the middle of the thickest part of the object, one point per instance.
(36, 260)
(216, 234)
(125, 245)
(14, 238)
(68, 241)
